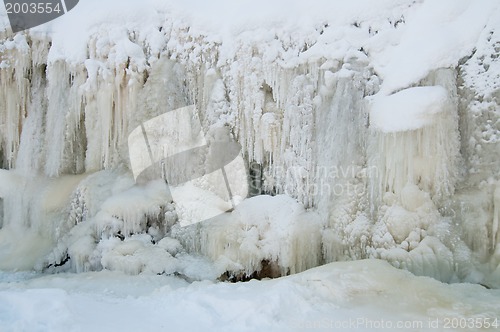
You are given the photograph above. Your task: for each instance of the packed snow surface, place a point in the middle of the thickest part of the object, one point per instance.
(349, 296)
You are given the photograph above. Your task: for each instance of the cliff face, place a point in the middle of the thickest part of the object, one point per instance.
(385, 125)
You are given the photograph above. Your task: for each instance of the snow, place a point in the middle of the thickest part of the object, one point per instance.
(352, 296)
(436, 36)
(408, 109)
(222, 20)
(432, 37)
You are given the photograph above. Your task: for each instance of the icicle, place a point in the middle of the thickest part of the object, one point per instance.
(495, 229)
(425, 156)
(15, 66)
(279, 232)
(299, 111)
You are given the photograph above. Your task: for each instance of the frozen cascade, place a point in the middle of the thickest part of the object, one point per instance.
(425, 156)
(317, 129)
(341, 169)
(265, 237)
(14, 93)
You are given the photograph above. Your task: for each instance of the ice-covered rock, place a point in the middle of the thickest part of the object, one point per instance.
(380, 119)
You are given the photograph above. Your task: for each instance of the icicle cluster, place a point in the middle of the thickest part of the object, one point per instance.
(422, 196)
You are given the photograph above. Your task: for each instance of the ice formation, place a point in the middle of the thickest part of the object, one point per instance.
(272, 233)
(376, 125)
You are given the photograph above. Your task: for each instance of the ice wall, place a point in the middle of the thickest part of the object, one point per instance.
(399, 164)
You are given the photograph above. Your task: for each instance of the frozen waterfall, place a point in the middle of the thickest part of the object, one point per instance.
(368, 151)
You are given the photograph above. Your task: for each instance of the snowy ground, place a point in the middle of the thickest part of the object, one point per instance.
(346, 296)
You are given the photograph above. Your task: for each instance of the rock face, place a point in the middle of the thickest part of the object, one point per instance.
(395, 160)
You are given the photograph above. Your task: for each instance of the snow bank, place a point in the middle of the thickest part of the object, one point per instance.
(349, 296)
